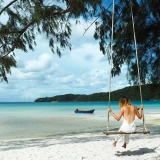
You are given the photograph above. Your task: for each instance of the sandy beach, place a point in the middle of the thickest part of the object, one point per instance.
(86, 146)
(82, 147)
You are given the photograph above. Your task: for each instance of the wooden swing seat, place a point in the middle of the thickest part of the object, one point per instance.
(137, 132)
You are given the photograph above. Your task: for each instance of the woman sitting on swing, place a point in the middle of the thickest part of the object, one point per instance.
(128, 112)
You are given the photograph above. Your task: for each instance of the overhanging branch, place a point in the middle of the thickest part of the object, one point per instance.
(27, 26)
(16, 41)
(7, 6)
(96, 19)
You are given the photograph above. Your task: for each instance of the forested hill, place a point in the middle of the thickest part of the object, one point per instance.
(149, 92)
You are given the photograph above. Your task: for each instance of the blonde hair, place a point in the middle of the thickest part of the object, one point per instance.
(124, 101)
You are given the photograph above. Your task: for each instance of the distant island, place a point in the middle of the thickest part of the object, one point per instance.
(149, 92)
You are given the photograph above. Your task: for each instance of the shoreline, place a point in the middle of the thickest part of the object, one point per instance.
(86, 147)
(152, 120)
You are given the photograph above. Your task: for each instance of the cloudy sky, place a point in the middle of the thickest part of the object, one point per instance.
(40, 73)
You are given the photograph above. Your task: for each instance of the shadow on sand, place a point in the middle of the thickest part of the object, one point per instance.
(4, 146)
(140, 151)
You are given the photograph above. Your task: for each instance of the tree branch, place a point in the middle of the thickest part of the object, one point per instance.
(7, 6)
(27, 26)
(63, 12)
(16, 41)
(96, 19)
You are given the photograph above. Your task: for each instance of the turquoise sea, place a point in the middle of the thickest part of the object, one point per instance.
(29, 120)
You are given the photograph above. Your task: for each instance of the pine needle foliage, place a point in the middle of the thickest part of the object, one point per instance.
(28, 18)
(146, 15)
(25, 19)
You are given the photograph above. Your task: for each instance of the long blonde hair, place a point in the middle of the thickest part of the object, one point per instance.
(124, 101)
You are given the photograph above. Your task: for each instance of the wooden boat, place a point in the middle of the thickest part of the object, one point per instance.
(84, 111)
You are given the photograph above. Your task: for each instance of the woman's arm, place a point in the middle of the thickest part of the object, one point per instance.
(139, 113)
(117, 117)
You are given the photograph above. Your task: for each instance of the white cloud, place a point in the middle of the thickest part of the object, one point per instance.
(65, 80)
(42, 63)
(84, 70)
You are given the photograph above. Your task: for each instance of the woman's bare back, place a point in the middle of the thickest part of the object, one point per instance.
(129, 113)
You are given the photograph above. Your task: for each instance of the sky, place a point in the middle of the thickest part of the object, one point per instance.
(40, 73)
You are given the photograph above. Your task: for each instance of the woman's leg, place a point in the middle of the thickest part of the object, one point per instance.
(124, 145)
(117, 138)
(126, 138)
(114, 143)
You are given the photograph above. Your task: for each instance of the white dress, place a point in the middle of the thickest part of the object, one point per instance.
(127, 128)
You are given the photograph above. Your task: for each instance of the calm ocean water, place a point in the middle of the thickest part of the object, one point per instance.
(44, 120)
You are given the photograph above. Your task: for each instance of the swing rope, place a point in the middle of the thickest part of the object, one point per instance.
(139, 81)
(111, 65)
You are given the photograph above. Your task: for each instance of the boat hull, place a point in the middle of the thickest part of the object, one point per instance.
(84, 111)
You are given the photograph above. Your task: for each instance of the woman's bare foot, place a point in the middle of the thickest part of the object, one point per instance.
(114, 143)
(124, 145)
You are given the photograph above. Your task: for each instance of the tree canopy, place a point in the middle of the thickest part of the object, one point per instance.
(25, 19)
(146, 14)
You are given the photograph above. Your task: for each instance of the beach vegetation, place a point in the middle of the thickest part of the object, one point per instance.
(149, 92)
(23, 20)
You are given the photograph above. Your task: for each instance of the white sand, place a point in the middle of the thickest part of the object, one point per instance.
(82, 147)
